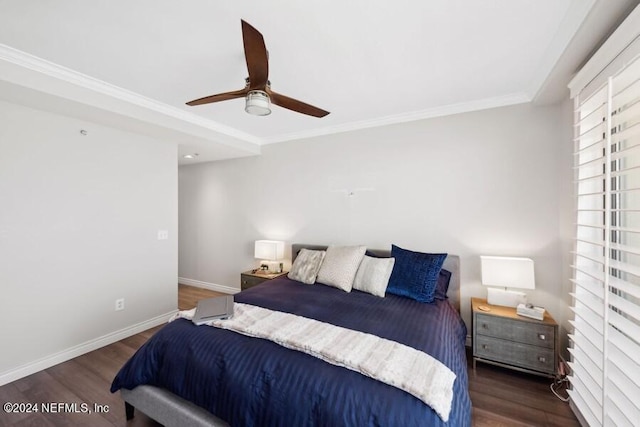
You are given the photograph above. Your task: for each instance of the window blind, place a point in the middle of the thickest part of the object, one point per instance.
(605, 343)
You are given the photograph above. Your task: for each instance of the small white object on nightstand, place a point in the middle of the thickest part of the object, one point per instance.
(530, 311)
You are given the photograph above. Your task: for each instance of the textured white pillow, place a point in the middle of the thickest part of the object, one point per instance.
(306, 265)
(340, 266)
(373, 275)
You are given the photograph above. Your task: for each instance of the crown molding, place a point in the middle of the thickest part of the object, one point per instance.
(446, 110)
(32, 72)
(574, 17)
(35, 73)
(613, 49)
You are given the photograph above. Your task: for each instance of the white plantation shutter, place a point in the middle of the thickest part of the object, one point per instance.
(587, 354)
(605, 351)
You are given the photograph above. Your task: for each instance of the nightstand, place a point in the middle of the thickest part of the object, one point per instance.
(503, 338)
(249, 279)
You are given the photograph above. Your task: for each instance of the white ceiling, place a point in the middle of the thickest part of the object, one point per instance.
(367, 62)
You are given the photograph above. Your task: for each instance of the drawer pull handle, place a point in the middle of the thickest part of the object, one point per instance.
(485, 326)
(542, 336)
(484, 346)
(542, 359)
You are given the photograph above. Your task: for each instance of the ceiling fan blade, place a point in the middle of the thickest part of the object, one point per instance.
(295, 105)
(255, 53)
(219, 97)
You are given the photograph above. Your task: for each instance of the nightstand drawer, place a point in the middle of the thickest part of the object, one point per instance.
(517, 354)
(514, 330)
(247, 281)
(251, 278)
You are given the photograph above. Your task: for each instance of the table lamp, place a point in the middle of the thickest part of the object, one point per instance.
(269, 252)
(507, 272)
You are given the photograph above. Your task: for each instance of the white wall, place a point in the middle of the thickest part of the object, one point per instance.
(567, 219)
(487, 182)
(79, 217)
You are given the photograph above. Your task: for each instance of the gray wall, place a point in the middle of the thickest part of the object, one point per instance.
(491, 182)
(79, 217)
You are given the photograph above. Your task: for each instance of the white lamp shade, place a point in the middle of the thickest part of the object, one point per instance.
(269, 250)
(508, 272)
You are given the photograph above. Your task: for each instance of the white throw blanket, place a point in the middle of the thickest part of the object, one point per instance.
(384, 360)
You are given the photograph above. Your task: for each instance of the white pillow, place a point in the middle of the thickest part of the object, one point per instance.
(373, 275)
(340, 266)
(306, 266)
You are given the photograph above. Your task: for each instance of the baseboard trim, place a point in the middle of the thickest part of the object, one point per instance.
(80, 349)
(207, 285)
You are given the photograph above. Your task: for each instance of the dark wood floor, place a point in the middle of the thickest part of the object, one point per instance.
(500, 397)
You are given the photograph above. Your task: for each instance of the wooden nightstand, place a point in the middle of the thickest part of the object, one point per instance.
(249, 279)
(503, 338)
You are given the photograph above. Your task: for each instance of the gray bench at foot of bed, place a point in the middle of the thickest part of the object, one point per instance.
(167, 408)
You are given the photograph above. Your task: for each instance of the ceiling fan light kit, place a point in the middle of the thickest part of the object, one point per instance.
(257, 91)
(257, 103)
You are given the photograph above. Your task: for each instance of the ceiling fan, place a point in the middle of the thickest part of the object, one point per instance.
(257, 90)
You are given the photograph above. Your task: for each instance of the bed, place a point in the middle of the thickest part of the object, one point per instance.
(188, 375)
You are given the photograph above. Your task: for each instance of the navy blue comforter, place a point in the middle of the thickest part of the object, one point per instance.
(254, 382)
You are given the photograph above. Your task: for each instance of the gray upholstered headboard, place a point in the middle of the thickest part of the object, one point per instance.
(451, 263)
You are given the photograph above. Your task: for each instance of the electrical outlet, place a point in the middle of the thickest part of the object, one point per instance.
(120, 304)
(163, 234)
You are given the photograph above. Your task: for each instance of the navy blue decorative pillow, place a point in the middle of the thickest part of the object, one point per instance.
(415, 274)
(443, 284)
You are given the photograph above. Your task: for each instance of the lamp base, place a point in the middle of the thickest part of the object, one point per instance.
(274, 266)
(505, 298)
